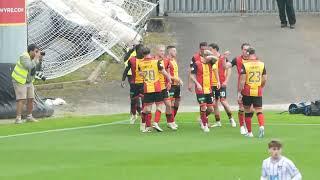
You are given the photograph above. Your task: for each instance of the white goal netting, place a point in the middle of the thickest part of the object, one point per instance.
(73, 33)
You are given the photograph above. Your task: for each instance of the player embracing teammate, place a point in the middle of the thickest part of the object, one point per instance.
(238, 62)
(170, 92)
(252, 81)
(201, 76)
(150, 69)
(219, 91)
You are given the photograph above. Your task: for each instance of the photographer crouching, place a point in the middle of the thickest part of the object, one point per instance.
(23, 77)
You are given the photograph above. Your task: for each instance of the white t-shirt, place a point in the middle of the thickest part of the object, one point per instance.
(283, 169)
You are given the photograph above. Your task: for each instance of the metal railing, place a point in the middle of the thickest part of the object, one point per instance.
(235, 6)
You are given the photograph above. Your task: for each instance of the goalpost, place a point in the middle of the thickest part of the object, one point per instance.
(73, 33)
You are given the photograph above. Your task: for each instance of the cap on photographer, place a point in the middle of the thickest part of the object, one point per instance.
(23, 77)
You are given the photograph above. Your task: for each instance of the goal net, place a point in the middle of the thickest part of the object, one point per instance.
(73, 33)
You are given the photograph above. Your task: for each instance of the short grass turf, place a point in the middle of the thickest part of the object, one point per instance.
(121, 152)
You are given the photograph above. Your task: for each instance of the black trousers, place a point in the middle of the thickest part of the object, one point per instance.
(286, 6)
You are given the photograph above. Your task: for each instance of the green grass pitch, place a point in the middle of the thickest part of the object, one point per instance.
(121, 152)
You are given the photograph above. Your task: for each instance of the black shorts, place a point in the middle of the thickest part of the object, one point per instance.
(252, 100)
(165, 94)
(136, 90)
(219, 93)
(175, 91)
(205, 99)
(155, 97)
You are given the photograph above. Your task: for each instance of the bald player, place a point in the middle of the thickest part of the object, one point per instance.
(165, 87)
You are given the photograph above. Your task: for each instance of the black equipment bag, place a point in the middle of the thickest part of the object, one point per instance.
(298, 108)
(313, 109)
(8, 97)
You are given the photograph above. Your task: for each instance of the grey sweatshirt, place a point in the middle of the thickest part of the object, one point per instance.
(29, 64)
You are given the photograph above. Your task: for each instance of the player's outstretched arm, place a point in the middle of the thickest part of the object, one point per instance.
(229, 64)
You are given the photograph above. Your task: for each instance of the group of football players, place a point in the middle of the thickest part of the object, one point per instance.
(154, 79)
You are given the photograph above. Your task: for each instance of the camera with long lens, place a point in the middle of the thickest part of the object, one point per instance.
(40, 75)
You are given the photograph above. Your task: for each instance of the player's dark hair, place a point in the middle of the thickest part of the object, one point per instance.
(203, 44)
(145, 51)
(214, 46)
(139, 48)
(244, 44)
(170, 47)
(32, 47)
(251, 51)
(275, 143)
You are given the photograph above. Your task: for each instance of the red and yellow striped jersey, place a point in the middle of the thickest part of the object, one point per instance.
(254, 70)
(150, 68)
(133, 54)
(238, 61)
(203, 73)
(135, 78)
(165, 64)
(174, 70)
(221, 70)
(214, 78)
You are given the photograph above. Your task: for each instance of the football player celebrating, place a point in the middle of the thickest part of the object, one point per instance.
(201, 75)
(224, 75)
(150, 68)
(135, 81)
(160, 55)
(252, 81)
(215, 86)
(175, 91)
(238, 61)
(196, 57)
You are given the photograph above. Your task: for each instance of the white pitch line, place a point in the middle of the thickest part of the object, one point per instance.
(124, 122)
(63, 129)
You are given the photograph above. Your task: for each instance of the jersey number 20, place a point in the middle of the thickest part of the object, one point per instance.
(149, 75)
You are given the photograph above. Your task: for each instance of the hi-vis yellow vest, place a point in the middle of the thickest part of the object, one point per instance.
(133, 54)
(20, 73)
